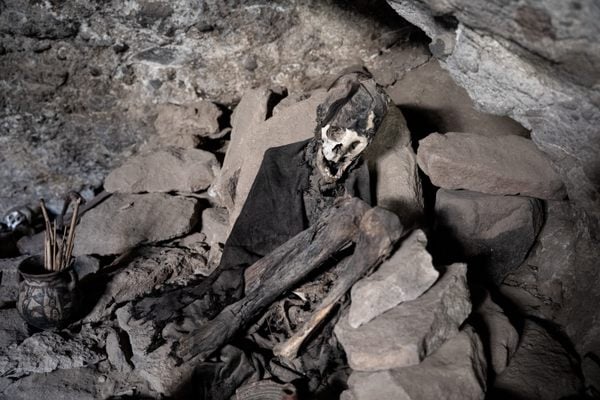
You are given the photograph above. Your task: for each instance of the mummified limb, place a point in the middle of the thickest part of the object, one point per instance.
(379, 231)
(276, 273)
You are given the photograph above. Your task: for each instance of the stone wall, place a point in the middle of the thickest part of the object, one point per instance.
(535, 61)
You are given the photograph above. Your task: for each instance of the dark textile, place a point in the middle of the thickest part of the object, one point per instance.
(275, 211)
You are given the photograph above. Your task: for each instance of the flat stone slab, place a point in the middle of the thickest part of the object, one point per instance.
(495, 165)
(123, 221)
(171, 169)
(404, 277)
(411, 331)
(456, 371)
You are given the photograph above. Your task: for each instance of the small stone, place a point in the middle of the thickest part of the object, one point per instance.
(404, 277)
(493, 232)
(409, 332)
(456, 371)
(542, 368)
(122, 222)
(167, 170)
(102, 378)
(494, 165)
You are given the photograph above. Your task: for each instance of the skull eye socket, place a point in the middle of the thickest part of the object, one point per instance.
(354, 145)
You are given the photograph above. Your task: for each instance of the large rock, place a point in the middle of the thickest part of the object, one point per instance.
(542, 368)
(494, 165)
(404, 277)
(456, 371)
(547, 80)
(151, 269)
(46, 352)
(169, 170)
(429, 96)
(411, 331)
(393, 165)
(125, 221)
(495, 232)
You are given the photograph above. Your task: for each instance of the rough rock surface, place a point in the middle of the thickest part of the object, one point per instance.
(171, 169)
(549, 57)
(152, 268)
(215, 225)
(542, 368)
(186, 123)
(76, 384)
(456, 371)
(411, 331)
(392, 164)
(429, 95)
(124, 221)
(46, 352)
(495, 165)
(499, 336)
(88, 81)
(495, 232)
(13, 329)
(403, 277)
(115, 353)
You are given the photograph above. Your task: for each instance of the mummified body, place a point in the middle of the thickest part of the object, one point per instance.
(290, 224)
(296, 183)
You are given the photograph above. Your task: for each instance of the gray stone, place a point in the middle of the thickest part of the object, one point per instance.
(116, 355)
(168, 170)
(456, 371)
(429, 91)
(13, 329)
(542, 74)
(404, 277)
(498, 334)
(392, 162)
(215, 224)
(542, 368)
(125, 221)
(411, 331)
(152, 268)
(493, 165)
(496, 232)
(46, 352)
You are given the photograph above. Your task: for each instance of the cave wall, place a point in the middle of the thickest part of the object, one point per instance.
(535, 61)
(81, 82)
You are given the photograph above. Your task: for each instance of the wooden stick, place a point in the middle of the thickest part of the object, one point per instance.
(282, 270)
(47, 237)
(55, 265)
(71, 238)
(380, 230)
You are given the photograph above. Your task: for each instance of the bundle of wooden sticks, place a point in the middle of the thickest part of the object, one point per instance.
(58, 250)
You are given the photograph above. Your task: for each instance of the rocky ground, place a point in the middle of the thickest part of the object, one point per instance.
(170, 113)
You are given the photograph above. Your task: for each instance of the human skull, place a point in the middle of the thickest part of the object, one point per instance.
(15, 218)
(340, 146)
